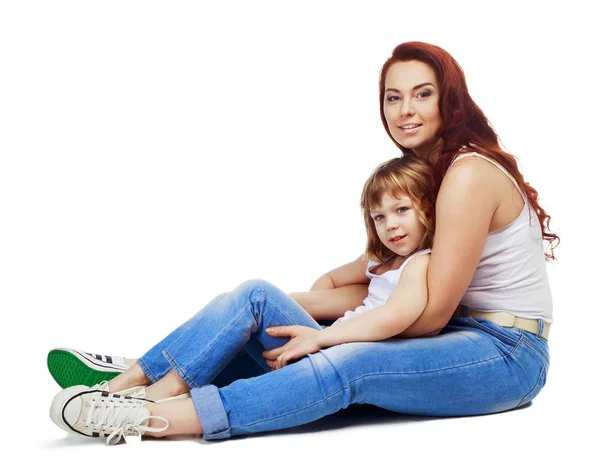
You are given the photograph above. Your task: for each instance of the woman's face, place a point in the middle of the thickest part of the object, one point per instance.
(411, 106)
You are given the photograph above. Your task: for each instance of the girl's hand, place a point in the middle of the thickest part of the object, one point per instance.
(303, 341)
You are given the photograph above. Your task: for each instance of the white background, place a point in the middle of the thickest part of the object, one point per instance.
(156, 154)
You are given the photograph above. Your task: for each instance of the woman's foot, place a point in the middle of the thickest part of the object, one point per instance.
(96, 413)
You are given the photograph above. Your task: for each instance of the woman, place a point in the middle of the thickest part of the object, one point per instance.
(491, 354)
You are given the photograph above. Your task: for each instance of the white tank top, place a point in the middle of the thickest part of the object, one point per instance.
(380, 287)
(511, 275)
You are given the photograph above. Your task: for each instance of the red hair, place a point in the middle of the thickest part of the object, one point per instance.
(463, 123)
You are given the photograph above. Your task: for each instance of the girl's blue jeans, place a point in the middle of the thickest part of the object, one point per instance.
(472, 367)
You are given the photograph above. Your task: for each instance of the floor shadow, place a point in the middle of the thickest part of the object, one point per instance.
(363, 415)
(353, 416)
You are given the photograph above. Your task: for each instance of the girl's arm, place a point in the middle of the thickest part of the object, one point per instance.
(349, 274)
(336, 291)
(468, 198)
(333, 303)
(401, 310)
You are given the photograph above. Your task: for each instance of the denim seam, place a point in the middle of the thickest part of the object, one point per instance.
(542, 372)
(216, 435)
(146, 370)
(533, 345)
(316, 372)
(341, 379)
(263, 293)
(379, 374)
(178, 369)
(281, 310)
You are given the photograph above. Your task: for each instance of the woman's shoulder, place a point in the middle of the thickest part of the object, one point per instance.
(474, 162)
(473, 171)
(469, 158)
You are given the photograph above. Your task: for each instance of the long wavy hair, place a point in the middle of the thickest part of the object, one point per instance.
(407, 176)
(463, 123)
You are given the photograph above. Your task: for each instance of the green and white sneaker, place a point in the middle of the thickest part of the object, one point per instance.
(71, 367)
(96, 413)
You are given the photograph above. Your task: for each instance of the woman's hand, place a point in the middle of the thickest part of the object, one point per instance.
(303, 341)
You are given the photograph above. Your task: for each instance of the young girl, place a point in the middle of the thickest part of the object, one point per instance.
(398, 208)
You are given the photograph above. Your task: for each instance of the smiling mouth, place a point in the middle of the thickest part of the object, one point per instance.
(397, 239)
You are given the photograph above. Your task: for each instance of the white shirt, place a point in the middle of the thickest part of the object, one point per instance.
(380, 287)
(511, 275)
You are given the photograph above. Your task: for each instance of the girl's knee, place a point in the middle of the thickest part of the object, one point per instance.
(253, 285)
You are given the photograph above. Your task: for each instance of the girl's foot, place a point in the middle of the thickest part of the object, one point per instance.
(130, 379)
(75, 367)
(170, 386)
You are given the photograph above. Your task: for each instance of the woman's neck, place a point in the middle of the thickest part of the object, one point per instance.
(431, 154)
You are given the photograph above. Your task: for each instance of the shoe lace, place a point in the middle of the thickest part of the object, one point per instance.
(125, 417)
(101, 385)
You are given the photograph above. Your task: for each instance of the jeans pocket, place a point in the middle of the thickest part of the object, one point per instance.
(510, 336)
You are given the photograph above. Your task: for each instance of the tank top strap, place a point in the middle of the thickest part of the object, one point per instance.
(493, 162)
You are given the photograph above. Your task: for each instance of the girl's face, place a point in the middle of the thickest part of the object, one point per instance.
(397, 224)
(411, 106)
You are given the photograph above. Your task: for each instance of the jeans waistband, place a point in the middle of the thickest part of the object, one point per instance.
(538, 327)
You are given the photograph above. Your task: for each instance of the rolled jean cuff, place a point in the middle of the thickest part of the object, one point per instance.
(153, 378)
(211, 412)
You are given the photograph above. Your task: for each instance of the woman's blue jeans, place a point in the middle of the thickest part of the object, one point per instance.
(472, 367)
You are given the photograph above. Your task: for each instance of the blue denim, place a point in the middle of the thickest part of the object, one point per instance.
(472, 367)
(155, 366)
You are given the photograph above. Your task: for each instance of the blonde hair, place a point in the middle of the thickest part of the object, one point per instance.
(406, 176)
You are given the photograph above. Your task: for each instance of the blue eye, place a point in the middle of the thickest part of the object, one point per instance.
(403, 209)
(377, 218)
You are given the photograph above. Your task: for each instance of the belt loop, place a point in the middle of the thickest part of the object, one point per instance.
(463, 310)
(540, 328)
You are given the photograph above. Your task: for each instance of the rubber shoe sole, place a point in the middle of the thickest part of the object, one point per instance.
(69, 368)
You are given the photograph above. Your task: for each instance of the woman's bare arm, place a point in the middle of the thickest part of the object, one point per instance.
(467, 201)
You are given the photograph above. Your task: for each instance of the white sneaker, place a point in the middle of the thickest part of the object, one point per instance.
(138, 391)
(96, 413)
(75, 367)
